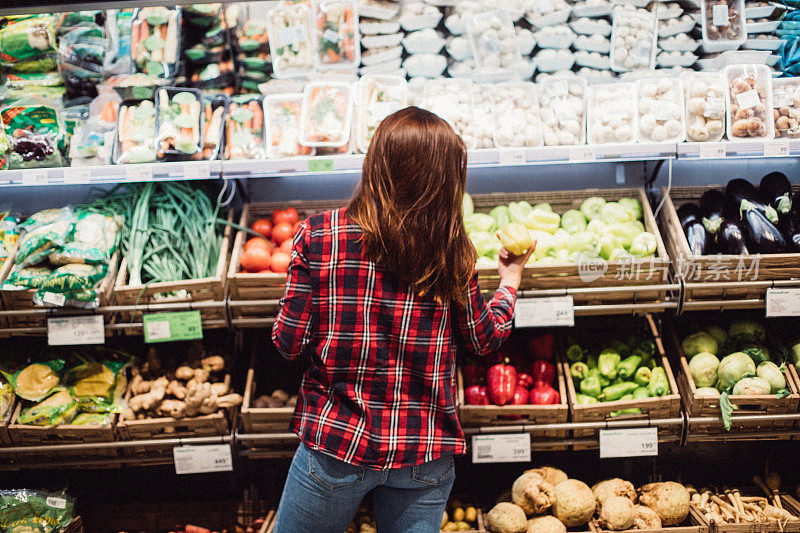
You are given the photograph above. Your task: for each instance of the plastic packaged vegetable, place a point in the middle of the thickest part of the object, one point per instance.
(36, 245)
(517, 117)
(58, 408)
(214, 108)
(178, 123)
(786, 107)
(633, 39)
(378, 97)
(136, 129)
(337, 35)
(611, 117)
(245, 128)
(493, 40)
(660, 110)
(92, 141)
(35, 511)
(156, 41)
(563, 104)
(723, 25)
(327, 114)
(35, 381)
(282, 116)
(453, 100)
(750, 113)
(291, 40)
(33, 127)
(704, 94)
(98, 382)
(27, 39)
(93, 242)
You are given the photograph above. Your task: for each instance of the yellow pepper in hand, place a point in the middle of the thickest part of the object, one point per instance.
(515, 238)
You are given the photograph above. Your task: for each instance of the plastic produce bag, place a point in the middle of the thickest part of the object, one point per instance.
(35, 246)
(337, 35)
(118, 31)
(34, 511)
(156, 41)
(34, 127)
(35, 381)
(27, 39)
(92, 141)
(99, 383)
(43, 218)
(245, 129)
(26, 278)
(58, 408)
(73, 277)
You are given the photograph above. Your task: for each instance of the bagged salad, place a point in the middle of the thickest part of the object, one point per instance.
(27, 511)
(34, 127)
(27, 39)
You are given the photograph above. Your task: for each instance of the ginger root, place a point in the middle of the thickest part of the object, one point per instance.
(200, 376)
(213, 363)
(176, 389)
(184, 373)
(150, 399)
(195, 394)
(222, 388)
(229, 400)
(173, 408)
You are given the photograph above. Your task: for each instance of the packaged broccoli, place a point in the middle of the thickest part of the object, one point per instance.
(30, 511)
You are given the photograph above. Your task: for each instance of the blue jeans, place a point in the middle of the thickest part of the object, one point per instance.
(322, 494)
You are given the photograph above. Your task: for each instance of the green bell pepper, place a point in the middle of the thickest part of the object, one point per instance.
(607, 363)
(659, 384)
(590, 386)
(615, 392)
(583, 399)
(642, 376)
(579, 370)
(595, 372)
(641, 392)
(627, 367)
(574, 353)
(632, 411)
(591, 360)
(646, 350)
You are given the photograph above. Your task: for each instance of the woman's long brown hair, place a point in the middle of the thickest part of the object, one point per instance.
(408, 204)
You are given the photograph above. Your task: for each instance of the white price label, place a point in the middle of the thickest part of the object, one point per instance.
(783, 302)
(781, 98)
(712, 151)
(543, 312)
(641, 53)
(582, 154)
(138, 172)
(715, 107)
(506, 448)
(56, 503)
(292, 35)
(158, 329)
(777, 148)
(197, 171)
(76, 330)
(635, 442)
(54, 298)
(511, 157)
(748, 99)
(199, 459)
(36, 176)
(719, 15)
(77, 175)
(331, 36)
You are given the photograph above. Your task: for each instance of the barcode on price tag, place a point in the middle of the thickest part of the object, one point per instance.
(76, 330)
(505, 448)
(783, 302)
(199, 459)
(512, 157)
(582, 154)
(778, 148)
(543, 312)
(634, 442)
(712, 151)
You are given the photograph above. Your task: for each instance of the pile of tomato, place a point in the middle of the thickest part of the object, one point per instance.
(272, 251)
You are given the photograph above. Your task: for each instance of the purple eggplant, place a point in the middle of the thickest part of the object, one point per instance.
(730, 238)
(760, 235)
(712, 205)
(776, 191)
(789, 226)
(688, 213)
(738, 191)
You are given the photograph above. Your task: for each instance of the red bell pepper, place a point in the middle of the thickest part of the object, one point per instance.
(542, 370)
(541, 347)
(501, 380)
(520, 396)
(471, 373)
(524, 380)
(544, 394)
(476, 395)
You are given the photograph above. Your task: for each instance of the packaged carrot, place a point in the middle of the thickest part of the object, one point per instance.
(156, 41)
(282, 114)
(327, 114)
(136, 128)
(244, 128)
(291, 40)
(178, 123)
(338, 45)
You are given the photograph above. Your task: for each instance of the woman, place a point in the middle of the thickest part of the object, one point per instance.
(379, 294)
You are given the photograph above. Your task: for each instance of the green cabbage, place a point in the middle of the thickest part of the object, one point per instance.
(633, 206)
(596, 226)
(643, 245)
(751, 387)
(747, 331)
(637, 224)
(484, 242)
(562, 255)
(620, 254)
(732, 368)
(608, 243)
(612, 213)
(547, 261)
(718, 333)
(592, 206)
(770, 372)
(544, 206)
(703, 367)
(583, 241)
(700, 342)
(545, 244)
(485, 262)
(707, 391)
(573, 221)
(624, 231)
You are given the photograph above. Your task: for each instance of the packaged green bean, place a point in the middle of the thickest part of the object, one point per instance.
(26, 278)
(93, 242)
(74, 277)
(36, 246)
(27, 511)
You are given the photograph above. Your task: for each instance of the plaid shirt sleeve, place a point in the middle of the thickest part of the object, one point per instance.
(484, 326)
(292, 329)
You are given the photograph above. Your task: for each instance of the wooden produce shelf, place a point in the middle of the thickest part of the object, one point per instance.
(262, 419)
(694, 523)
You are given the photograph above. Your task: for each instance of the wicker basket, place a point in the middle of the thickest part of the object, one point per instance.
(720, 268)
(266, 419)
(694, 523)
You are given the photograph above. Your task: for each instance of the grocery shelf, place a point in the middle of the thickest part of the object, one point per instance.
(739, 149)
(732, 302)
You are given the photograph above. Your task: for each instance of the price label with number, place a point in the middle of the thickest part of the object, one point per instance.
(36, 176)
(634, 442)
(320, 165)
(777, 148)
(512, 157)
(76, 330)
(712, 151)
(178, 326)
(543, 312)
(582, 154)
(200, 459)
(505, 448)
(783, 302)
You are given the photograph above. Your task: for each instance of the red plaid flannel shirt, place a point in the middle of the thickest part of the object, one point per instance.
(380, 390)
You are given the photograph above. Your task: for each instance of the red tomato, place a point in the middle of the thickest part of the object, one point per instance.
(282, 232)
(266, 271)
(258, 242)
(286, 215)
(286, 246)
(280, 262)
(256, 259)
(263, 227)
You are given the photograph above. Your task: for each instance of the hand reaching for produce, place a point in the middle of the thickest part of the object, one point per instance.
(510, 266)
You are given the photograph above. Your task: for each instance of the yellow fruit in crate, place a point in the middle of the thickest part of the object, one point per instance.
(470, 515)
(458, 514)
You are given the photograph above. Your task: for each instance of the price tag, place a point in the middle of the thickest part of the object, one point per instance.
(76, 330)
(54, 298)
(783, 302)
(178, 326)
(136, 173)
(635, 442)
(506, 448)
(56, 503)
(320, 165)
(512, 157)
(77, 175)
(777, 148)
(200, 459)
(197, 171)
(781, 98)
(748, 99)
(292, 35)
(582, 154)
(36, 176)
(543, 312)
(715, 107)
(719, 15)
(331, 36)
(712, 151)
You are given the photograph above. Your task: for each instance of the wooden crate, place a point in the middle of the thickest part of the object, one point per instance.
(701, 406)
(639, 273)
(494, 415)
(792, 526)
(5, 440)
(668, 406)
(694, 523)
(718, 267)
(198, 290)
(266, 419)
(479, 523)
(22, 300)
(271, 286)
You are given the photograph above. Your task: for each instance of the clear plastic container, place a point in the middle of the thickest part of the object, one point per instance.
(555, 37)
(381, 41)
(660, 108)
(483, 115)
(179, 127)
(587, 26)
(633, 40)
(338, 45)
(676, 26)
(770, 43)
(418, 16)
(749, 114)
(377, 98)
(786, 107)
(592, 43)
(493, 40)
(381, 68)
(591, 8)
(282, 115)
(156, 41)
(452, 99)
(704, 94)
(591, 59)
(678, 43)
(425, 65)
(516, 115)
(427, 41)
(554, 60)
(458, 48)
(541, 13)
(378, 27)
(136, 130)
(723, 25)
(611, 118)
(595, 76)
(327, 114)
(291, 41)
(676, 59)
(378, 9)
(563, 105)
(671, 10)
(244, 138)
(525, 41)
(381, 55)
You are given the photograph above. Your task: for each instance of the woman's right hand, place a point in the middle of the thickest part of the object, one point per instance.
(510, 266)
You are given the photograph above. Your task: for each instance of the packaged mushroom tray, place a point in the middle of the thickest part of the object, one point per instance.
(786, 107)
(611, 115)
(378, 97)
(750, 115)
(563, 105)
(452, 99)
(633, 39)
(291, 41)
(516, 115)
(660, 102)
(547, 12)
(493, 41)
(723, 25)
(704, 94)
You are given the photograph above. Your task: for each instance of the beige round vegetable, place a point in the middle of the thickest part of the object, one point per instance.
(616, 513)
(531, 492)
(614, 487)
(554, 476)
(669, 500)
(574, 503)
(506, 518)
(546, 524)
(645, 518)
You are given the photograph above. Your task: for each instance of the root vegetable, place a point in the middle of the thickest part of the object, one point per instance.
(532, 493)
(554, 476)
(614, 487)
(574, 503)
(546, 524)
(195, 394)
(222, 388)
(176, 389)
(506, 518)
(173, 408)
(200, 375)
(617, 513)
(214, 363)
(151, 399)
(280, 395)
(184, 373)
(669, 499)
(229, 400)
(645, 518)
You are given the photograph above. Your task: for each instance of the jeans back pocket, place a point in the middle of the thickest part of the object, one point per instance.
(434, 472)
(332, 473)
